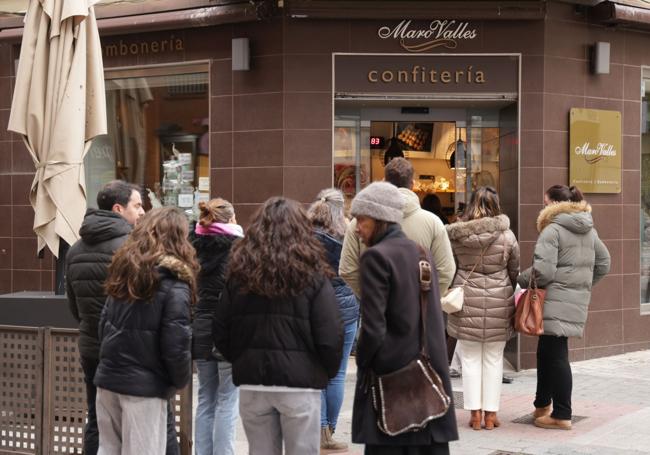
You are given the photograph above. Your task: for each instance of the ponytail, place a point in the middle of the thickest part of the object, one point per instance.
(576, 194)
(563, 193)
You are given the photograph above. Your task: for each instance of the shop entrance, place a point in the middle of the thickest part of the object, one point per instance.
(454, 146)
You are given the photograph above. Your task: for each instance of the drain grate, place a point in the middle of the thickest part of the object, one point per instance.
(458, 399)
(506, 452)
(529, 419)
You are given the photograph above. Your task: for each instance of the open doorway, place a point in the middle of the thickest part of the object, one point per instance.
(454, 146)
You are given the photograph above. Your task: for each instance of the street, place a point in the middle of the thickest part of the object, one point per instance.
(611, 406)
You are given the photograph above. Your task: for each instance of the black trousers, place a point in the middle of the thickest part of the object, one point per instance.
(91, 433)
(554, 380)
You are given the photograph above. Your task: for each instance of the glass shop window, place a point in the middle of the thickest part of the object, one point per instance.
(645, 191)
(158, 122)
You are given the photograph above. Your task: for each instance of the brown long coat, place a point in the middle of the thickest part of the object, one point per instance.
(489, 292)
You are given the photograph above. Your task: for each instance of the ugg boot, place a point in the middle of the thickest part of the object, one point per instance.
(551, 423)
(541, 412)
(491, 421)
(327, 442)
(475, 420)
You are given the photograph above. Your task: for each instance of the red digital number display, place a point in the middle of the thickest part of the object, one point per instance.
(376, 141)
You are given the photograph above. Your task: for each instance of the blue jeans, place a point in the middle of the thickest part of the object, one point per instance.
(332, 395)
(216, 413)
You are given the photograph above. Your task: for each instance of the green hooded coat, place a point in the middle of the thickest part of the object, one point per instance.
(569, 259)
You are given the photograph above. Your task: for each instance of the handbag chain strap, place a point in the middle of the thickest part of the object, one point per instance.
(475, 265)
(425, 287)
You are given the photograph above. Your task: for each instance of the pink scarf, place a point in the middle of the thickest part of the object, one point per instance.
(220, 229)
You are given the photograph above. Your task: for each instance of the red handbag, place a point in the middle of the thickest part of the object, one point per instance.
(529, 314)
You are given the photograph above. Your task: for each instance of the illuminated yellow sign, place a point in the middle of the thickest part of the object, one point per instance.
(595, 150)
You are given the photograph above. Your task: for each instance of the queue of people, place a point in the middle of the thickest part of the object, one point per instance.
(270, 315)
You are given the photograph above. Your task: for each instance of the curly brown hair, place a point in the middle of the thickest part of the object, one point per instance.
(162, 232)
(279, 256)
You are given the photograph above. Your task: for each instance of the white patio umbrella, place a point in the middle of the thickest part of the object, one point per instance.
(58, 107)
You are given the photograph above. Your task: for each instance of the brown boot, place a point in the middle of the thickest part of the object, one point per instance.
(491, 421)
(551, 423)
(328, 443)
(475, 420)
(541, 412)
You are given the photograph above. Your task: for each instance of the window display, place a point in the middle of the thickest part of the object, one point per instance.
(157, 136)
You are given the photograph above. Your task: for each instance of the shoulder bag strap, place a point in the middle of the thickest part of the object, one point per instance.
(475, 265)
(424, 267)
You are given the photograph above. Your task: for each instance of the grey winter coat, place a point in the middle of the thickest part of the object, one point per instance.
(569, 259)
(489, 291)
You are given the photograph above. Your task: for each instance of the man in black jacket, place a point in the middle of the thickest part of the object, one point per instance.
(103, 231)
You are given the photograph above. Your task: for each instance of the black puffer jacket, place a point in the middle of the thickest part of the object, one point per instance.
(87, 261)
(292, 342)
(145, 346)
(212, 252)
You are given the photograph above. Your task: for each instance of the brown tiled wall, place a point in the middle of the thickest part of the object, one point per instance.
(270, 134)
(614, 323)
(20, 268)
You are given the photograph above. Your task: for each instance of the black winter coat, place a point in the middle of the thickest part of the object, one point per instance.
(348, 303)
(212, 252)
(87, 261)
(389, 336)
(146, 346)
(291, 341)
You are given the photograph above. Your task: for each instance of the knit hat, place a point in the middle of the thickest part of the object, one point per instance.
(380, 201)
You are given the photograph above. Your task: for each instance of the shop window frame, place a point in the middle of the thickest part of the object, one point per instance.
(644, 116)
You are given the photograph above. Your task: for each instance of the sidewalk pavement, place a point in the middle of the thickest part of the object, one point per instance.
(611, 406)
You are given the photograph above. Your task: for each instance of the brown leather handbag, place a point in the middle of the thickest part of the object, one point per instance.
(407, 399)
(529, 315)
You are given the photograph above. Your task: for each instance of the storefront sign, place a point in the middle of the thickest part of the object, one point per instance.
(426, 73)
(595, 150)
(123, 48)
(438, 33)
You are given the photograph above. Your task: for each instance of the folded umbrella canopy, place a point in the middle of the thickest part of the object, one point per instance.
(58, 107)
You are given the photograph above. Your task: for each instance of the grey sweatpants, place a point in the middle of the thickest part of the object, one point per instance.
(131, 425)
(271, 417)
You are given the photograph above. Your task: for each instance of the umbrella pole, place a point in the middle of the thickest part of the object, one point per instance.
(59, 276)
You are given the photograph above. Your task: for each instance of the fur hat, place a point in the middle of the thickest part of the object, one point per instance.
(380, 201)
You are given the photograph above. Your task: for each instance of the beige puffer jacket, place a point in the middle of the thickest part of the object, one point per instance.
(489, 292)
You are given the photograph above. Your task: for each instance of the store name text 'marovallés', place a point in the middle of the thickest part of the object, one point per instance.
(155, 46)
(438, 33)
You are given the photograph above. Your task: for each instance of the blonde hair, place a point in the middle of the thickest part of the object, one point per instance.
(327, 214)
(215, 211)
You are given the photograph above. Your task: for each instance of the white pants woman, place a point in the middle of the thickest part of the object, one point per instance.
(482, 366)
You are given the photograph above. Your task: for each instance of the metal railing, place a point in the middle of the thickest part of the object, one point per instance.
(43, 395)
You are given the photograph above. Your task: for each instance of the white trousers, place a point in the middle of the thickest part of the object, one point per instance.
(482, 373)
(131, 425)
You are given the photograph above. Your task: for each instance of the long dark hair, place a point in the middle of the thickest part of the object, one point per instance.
(161, 232)
(279, 257)
(563, 193)
(483, 203)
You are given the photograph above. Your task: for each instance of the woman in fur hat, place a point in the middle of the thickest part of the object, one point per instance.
(487, 255)
(569, 259)
(390, 316)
